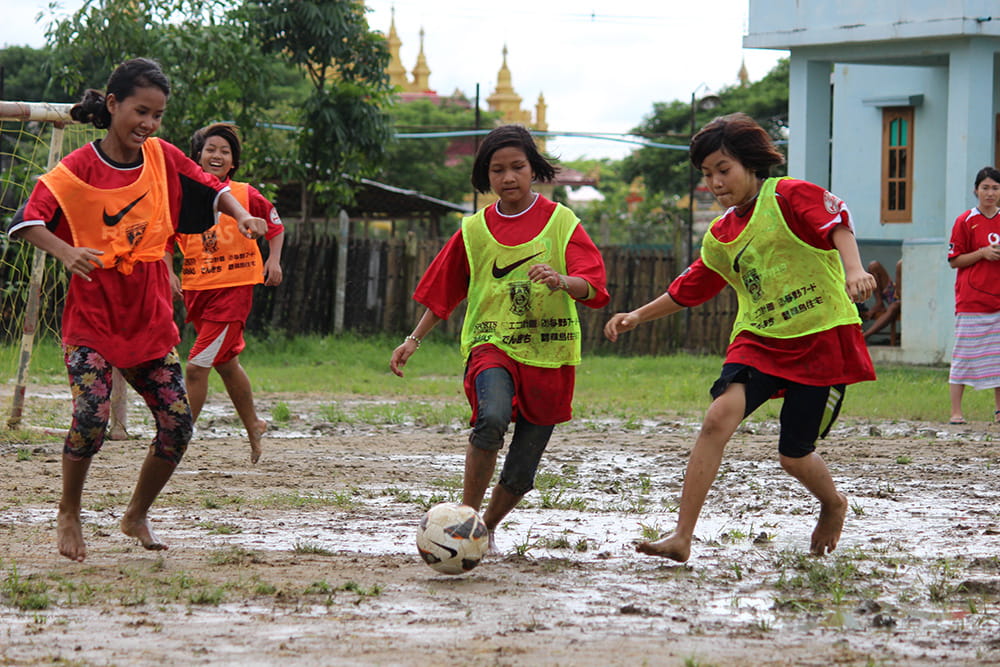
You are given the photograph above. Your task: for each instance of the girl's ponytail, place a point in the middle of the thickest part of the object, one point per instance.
(92, 109)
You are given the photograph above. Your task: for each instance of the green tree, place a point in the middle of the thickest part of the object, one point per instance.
(216, 73)
(344, 125)
(666, 170)
(655, 220)
(21, 82)
(436, 166)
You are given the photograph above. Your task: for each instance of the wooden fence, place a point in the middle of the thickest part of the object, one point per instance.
(382, 274)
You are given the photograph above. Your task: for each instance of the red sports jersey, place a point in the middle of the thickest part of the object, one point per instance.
(977, 287)
(544, 395)
(128, 319)
(831, 357)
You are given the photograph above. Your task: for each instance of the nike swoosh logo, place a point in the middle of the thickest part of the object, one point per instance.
(501, 272)
(112, 220)
(453, 552)
(736, 260)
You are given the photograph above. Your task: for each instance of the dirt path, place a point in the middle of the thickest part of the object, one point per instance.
(308, 557)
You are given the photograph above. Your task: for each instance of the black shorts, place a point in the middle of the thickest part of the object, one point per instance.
(807, 412)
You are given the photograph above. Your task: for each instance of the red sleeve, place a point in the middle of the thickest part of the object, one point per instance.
(445, 283)
(696, 285)
(960, 243)
(812, 213)
(260, 207)
(584, 260)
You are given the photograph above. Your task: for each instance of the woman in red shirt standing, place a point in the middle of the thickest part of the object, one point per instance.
(787, 247)
(521, 264)
(975, 251)
(107, 211)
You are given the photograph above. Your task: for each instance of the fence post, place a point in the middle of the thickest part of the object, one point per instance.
(33, 306)
(341, 291)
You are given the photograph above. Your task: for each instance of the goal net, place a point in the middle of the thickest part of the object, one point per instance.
(33, 138)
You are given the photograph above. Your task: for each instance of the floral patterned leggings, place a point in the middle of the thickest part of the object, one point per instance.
(160, 383)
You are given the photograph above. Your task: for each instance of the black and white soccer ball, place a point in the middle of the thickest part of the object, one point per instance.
(452, 538)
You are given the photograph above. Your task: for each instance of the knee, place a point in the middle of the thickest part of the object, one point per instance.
(792, 460)
(490, 427)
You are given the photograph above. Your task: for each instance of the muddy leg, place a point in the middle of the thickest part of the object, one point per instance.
(240, 393)
(721, 420)
(812, 472)
(153, 477)
(69, 532)
(479, 467)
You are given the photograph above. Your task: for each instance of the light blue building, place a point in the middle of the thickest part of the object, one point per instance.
(893, 107)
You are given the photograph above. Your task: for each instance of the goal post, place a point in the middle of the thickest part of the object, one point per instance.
(33, 138)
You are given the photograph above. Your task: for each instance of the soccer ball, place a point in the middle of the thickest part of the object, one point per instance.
(452, 538)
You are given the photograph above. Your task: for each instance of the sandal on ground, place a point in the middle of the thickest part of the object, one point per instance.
(996, 417)
(958, 422)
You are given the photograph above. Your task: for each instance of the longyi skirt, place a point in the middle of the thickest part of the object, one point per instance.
(975, 360)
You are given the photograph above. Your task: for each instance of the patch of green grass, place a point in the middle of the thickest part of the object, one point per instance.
(220, 528)
(213, 502)
(343, 499)
(422, 501)
(280, 413)
(311, 548)
(29, 593)
(23, 454)
(627, 389)
(234, 556)
(355, 587)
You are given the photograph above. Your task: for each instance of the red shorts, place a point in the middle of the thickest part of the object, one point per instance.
(217, 343)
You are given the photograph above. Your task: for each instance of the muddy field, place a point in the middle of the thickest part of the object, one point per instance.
(309, 557)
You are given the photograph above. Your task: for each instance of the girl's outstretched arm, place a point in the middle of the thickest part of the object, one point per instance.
(860, 283)
(405, 350)
(661, 306)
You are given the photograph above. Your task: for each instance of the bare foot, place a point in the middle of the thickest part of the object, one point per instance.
(70, 536)
(828, 527)
(672, 546)
(142, 531)
(493, 550)
(255, 437)
(118, 433)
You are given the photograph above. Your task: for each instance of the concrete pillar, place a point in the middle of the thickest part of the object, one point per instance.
(809, 119)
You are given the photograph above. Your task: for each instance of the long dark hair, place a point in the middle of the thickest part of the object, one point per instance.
(507, 136)
(131, 74)
(987, 172)
(227, 131)
(740, 137)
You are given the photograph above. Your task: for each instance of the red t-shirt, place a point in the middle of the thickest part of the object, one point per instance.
(831, 357)
(544, 395)
(233, 304)
(977, 286)
(128, 319)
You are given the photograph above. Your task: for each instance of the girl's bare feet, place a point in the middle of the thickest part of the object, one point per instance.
(69, 533)
(672, 546)
(256, 434)
(142, 531)
(829, 526)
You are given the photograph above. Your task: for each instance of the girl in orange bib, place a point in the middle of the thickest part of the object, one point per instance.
(107, 212)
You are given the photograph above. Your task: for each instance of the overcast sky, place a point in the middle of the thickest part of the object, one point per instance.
(600, 66)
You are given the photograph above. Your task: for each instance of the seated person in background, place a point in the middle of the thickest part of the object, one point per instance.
(887, 298)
